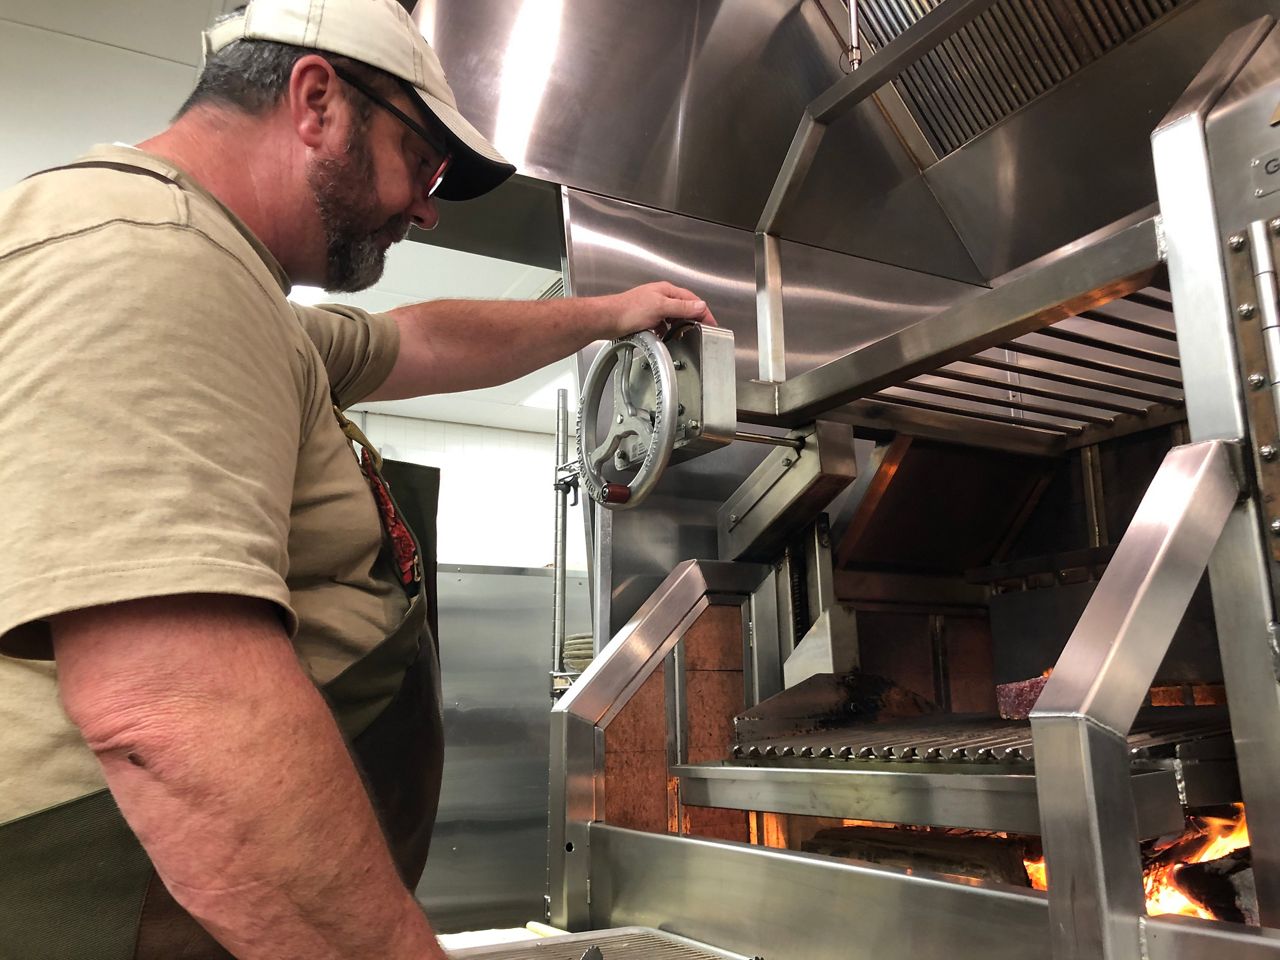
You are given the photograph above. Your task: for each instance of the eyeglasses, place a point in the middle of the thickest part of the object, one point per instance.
(446, 158)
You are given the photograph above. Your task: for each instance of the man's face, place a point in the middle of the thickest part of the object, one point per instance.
(358, 229)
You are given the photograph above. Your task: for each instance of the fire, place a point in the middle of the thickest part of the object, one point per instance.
(1211, 838)
(1036, 873)
(1207, 838)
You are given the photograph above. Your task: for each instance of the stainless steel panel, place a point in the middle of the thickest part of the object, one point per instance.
(1078, 157)
(645, 105)
(488, 855)
(972, 801)
(789, 906)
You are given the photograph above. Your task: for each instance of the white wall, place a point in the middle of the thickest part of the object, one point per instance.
(496, 499)
(78, 72)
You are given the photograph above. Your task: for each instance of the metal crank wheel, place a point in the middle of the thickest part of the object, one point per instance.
(642, 430)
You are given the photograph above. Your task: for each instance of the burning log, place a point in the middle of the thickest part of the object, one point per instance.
(952, 853)
(1224, 887)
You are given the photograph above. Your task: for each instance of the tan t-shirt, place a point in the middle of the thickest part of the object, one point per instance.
(166, 428)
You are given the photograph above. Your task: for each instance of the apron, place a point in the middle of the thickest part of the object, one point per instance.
(75, 884)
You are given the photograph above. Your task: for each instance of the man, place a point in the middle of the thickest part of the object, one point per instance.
(231, 602)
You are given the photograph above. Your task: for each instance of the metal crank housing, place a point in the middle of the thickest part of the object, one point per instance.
(672, 399)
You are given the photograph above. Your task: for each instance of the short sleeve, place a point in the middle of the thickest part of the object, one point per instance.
(358, 348)
(149, 426)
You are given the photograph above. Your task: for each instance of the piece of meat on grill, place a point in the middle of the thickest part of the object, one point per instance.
(1015, 700)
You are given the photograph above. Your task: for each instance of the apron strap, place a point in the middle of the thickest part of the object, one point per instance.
(108, 165)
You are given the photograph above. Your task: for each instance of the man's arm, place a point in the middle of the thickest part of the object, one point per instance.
(229, 767)
(452, 345)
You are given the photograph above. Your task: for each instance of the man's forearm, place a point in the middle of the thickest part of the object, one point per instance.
(470, 344)
(234, 777)
(452, 345)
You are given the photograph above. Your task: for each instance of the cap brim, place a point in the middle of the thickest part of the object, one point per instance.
(477, 166)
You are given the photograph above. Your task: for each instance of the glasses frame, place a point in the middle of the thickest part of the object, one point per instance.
(446, 156)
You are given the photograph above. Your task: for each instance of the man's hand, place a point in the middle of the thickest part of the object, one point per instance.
(652, 307)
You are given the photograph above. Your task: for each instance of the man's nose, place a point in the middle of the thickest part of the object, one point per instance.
(424, 212)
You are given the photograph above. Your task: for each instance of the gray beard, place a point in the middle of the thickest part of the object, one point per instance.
(354, 259)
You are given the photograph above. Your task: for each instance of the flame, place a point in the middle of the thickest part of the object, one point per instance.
(1217, 836)
(1036, 874)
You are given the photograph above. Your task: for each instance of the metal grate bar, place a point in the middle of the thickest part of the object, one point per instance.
(1089, 363)
(1003, 402)
(1134, 326)
(975, 414)
(1072, 380)
(1033, 391)
(1096, 343)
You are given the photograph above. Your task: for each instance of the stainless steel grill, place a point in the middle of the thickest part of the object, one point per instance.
(1006, 58)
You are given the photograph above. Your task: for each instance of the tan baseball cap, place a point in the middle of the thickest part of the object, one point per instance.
(381, 34)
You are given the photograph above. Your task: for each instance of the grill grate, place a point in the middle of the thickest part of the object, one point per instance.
(972, 739)
(1011, 54)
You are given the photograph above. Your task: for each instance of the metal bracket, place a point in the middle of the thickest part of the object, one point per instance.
(1256, 328)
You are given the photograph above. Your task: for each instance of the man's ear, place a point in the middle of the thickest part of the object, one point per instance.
(313, 99)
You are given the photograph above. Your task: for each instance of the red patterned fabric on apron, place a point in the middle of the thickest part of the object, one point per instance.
(403, 547)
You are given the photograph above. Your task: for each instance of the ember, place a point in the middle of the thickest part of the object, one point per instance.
(1206, 839)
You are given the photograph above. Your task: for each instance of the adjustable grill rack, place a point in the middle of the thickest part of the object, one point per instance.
(1074, 348)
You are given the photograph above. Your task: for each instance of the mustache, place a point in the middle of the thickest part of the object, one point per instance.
(395, 229)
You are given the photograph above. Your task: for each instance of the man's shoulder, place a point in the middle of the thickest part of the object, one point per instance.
(67, 202)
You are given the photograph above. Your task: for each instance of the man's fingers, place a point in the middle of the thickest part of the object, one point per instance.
(685, 309)
(680, 293)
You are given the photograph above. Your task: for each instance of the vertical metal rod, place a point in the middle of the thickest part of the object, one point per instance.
(1095, 510)
(941, 665)
(562, 522)
(770, 331)
(855, 45)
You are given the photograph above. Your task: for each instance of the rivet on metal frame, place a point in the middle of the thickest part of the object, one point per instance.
(1275, 225)
(1236, 242)
(1257, 381)
(1275, 527)
(1246, 311)
(1267, 452)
